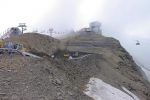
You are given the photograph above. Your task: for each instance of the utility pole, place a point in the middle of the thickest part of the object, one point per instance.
(51, 31)
(23, 26)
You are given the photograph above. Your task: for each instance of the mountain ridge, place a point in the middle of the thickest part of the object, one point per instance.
(61, 78)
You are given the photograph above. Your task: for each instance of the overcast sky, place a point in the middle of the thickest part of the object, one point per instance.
(127, 20)
(130, 17)
(127, 17)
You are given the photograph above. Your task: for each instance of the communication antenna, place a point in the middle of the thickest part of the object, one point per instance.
(23, 27)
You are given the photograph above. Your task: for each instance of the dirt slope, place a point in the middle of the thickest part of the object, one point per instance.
(35, 42)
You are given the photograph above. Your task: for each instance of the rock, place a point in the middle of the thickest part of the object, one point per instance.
(59, 96)
(57, 82)
(2, 94)
(70, 93)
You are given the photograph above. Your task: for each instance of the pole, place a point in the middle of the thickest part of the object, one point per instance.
(22, 30)
(23, 26)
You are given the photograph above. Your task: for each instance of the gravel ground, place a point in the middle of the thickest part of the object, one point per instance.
(24, 78)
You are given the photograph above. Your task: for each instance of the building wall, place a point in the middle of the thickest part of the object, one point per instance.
(96, 27)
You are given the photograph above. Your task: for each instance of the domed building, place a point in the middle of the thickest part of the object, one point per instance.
(14, 31)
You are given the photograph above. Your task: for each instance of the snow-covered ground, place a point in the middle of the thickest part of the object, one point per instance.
(31, 55)
(99, 90)
(130, 93)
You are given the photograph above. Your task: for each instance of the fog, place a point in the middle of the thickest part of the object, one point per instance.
(126, 20)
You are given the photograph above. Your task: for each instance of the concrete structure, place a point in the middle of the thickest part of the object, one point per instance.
(85, 30)
(95, 27)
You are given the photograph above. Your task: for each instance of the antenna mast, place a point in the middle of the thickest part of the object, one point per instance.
(23, 27)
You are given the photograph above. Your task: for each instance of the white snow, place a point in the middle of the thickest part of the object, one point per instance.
(31, 55)
(80, 57)
(99, 90)
(133, 95)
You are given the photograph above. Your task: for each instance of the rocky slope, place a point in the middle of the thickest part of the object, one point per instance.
(36, 43)
(26, 78)
(109, 62)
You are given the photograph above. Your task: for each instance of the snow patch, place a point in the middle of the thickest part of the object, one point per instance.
(31, 55)
(134, 96)
(99, 90)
